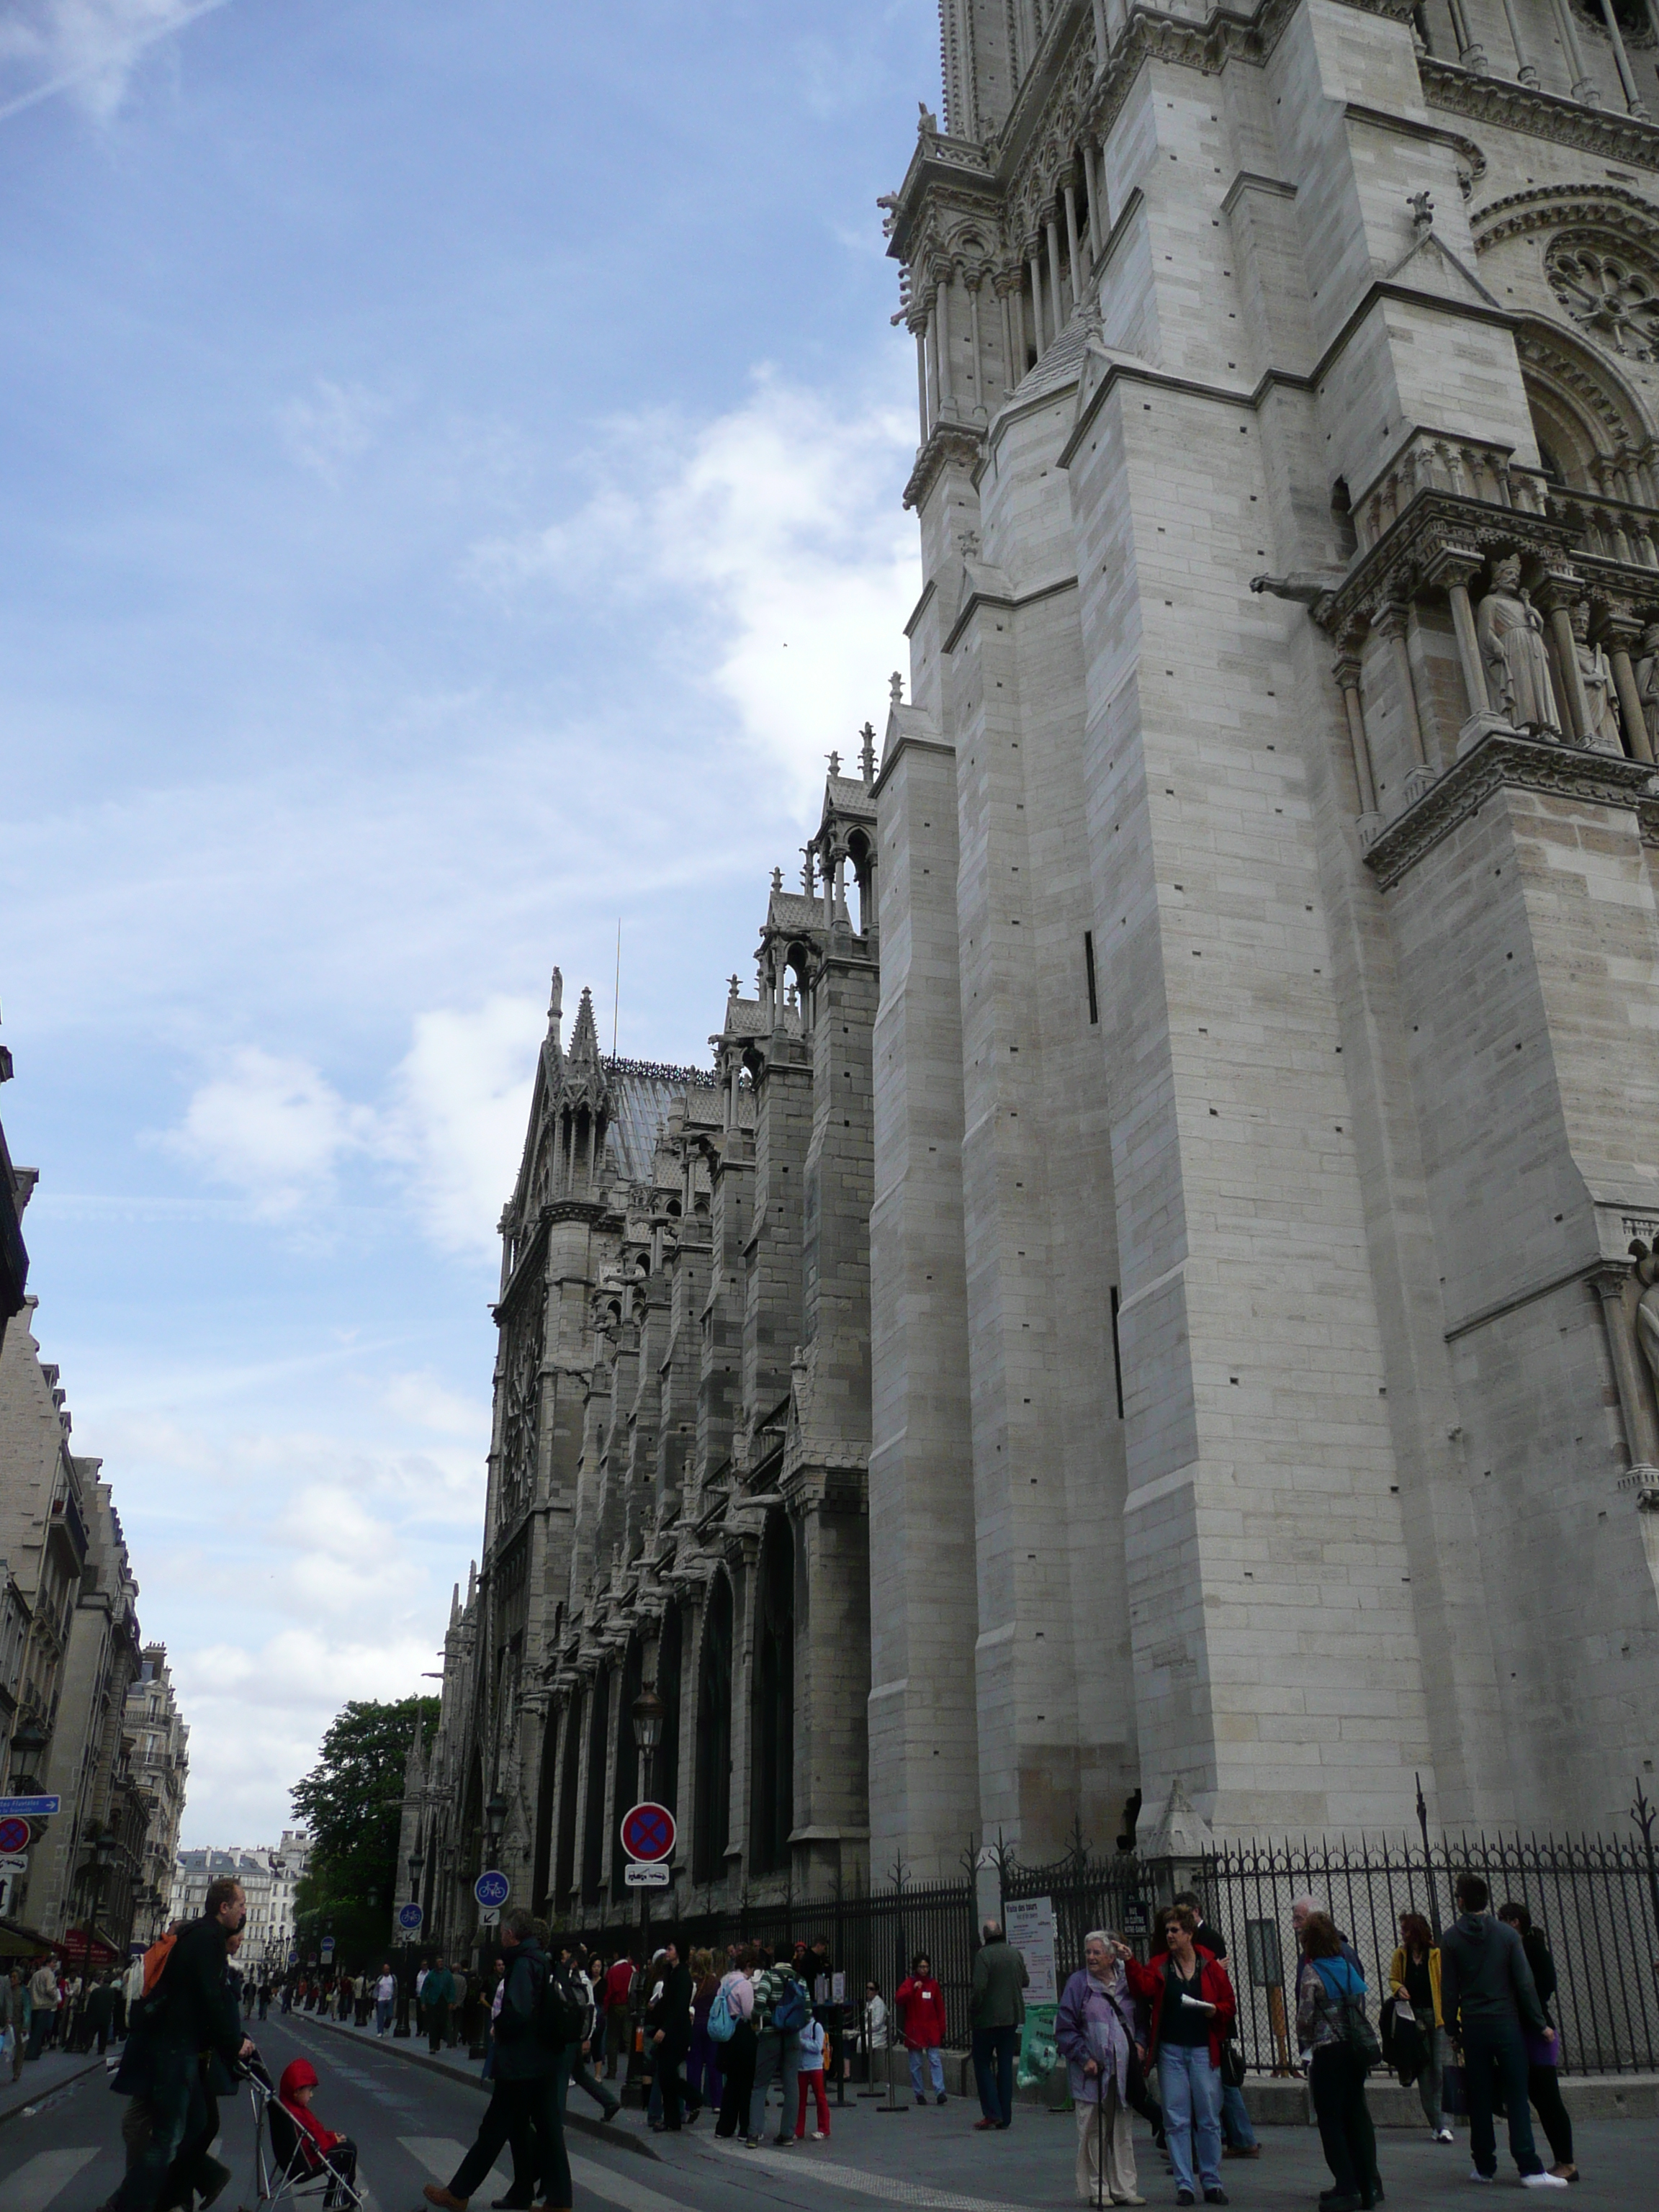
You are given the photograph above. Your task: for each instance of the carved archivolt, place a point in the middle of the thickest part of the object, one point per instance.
(1610, 420)
(1609, 290)
(1604, 208)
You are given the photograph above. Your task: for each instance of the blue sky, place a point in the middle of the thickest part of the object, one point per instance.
(450, 502)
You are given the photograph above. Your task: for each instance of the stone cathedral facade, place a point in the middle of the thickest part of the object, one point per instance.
(1167, 1296)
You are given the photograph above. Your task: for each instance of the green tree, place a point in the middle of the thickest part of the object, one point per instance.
(351, 1802)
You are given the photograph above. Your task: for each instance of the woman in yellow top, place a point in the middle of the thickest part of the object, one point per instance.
(1414, 1975)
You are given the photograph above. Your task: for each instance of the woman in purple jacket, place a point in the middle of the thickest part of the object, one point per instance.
(1093, 2028)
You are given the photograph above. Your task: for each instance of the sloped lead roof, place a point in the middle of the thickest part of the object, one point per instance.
(642, 1093)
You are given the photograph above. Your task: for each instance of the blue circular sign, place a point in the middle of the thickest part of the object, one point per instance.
(409, 1917)
(492, 1891)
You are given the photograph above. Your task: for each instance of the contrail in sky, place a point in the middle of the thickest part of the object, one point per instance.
(125, 51)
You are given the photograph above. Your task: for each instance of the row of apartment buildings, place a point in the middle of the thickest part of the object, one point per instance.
(270, 1876)
(88, 1709)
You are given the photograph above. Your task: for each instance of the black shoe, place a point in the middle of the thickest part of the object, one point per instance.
(608, 2113)
(212, 2184)
(1183, 2197)
(939, 2100)
(1341, 2204)
(1217, 2195)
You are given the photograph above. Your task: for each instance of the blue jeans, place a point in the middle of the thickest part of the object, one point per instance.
(994, 2072)
(1189, 2088)
(382, 2014)
(936, 2061)
(1236, 2120)
(1494, 2054)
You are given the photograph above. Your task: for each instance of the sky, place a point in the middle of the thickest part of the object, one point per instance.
(450, 506)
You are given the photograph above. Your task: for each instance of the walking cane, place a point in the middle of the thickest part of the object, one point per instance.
(1100, 2140)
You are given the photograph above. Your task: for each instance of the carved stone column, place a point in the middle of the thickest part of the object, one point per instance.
(1620, 630)
(1556, 597)
(1071, 239)
(947, 397)
(1035, 261)
(1056, 292)
(1094, 168)
(972, 279)
(1583, 89)
(1389, 623)
(1640, 1437)
(921, 330)
(1524, 69)
(1472, 55)
(1452, 572)
(1626, 74)
(1347, 678)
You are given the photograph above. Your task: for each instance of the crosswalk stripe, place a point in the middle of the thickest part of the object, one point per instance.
(632, 2196)
(440, 2155)
(36, 2183)
(915, 2193)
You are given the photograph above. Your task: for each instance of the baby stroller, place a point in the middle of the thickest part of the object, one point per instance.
(287, 2176)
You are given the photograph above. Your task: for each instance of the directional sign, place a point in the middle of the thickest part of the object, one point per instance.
(648, 1831)
(30, 1808)
(328, 1950)
(8, 1883)
(410, 1916)
(492, 1890)
(14, 1861)
(489, 1919)
(14, 1836)
(645, 1873)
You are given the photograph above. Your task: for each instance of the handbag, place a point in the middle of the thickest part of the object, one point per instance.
(1135, 2094)
(1232, 2064)
(1454, 2093)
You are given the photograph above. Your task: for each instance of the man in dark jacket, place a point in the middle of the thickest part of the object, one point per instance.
(999, 2007)
(522, 2098)
(1487, 1995)
(194, 2016)
(668, 2029)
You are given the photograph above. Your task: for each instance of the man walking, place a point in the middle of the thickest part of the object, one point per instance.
(43, 1995)
(589, 2044)
(386, 1996)
(669, 2028)
(522, 2102)
(200, 2016)
(1487, 1995)
(998, 2008)
(438, 1995)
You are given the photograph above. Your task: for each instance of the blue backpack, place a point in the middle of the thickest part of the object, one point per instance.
(722, 2020)
(789, 2013)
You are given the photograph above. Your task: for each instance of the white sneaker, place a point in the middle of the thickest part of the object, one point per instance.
(1445, 2134)
(1544, 2180)
(1476, 2174)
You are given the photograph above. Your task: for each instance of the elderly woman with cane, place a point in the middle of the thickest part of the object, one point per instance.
(1094, 2030)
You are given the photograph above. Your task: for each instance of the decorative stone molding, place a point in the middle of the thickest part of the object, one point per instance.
(1403, 560)
(1510, 106)
(1550, 207)
(1502, 758)
(947, 442)
(1609, 290)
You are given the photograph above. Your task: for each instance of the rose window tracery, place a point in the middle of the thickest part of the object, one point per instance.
(1610, 291)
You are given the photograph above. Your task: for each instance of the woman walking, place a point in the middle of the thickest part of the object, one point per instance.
(1092, 2029)
(1543, 2052)
(1191, 2003)
(1414, 1976)
(1328, 1986)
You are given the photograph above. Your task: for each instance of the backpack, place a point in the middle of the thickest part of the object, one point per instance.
(789, 2010)
(722, 2020)
(560, 2015)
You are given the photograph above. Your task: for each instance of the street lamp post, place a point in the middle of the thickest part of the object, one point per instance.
(417, 1861)
(495, 1828)
(648, 1715)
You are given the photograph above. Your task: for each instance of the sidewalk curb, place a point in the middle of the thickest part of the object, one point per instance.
(63, 2081)
(600, 2131)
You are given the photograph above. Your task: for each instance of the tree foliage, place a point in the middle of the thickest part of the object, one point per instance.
(351, 1802)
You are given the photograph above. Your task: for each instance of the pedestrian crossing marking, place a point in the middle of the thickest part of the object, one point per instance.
(632, 2196)
(440, 2155)
(44, 2176)
(854, 2177)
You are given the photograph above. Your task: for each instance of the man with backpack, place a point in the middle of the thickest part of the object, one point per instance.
(188, 2011)
(780, 2015)
(589, 2042)
(531, 2030)
(668, 2031)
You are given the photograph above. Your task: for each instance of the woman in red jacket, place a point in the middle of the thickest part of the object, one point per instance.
(319, 2147)
(921, 2004)
(1191, 2002)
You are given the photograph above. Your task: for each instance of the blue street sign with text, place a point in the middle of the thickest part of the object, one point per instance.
(491, 1890)
(29, 1808)
(409, 1917)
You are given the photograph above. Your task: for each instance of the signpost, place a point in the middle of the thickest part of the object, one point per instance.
(492, 1890)
(14, 1836)
(645, 1873)
(410, 1916)
(29, 1808)
(328, 1950)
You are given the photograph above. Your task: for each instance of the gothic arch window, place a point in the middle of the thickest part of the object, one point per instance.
(625, 1790)
(665, 1778)
(1589, 426)
(774, 1699)
(598, 1737)
(547, 1774)
(862, 856)
(712, 1822)
(570, 1776)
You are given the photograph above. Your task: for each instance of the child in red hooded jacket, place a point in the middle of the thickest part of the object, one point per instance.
(319, 2147)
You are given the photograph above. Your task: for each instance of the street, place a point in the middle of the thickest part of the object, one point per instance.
(411, 2124)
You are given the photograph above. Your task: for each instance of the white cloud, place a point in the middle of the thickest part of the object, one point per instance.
(335, 425)
(89, 48)
(461, 1099)
(423, 1400)
(271, 1127)
(778, 528)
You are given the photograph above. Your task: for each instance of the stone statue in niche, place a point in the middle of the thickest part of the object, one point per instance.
(1595, 673)
(1646, 1317)
(1511, 634)
(1647, 677)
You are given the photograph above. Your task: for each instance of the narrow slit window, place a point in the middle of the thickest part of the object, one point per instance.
(1117, 1354)
(1089, 969)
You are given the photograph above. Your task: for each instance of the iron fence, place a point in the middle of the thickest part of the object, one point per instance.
(1596, 1900)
